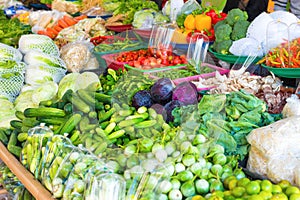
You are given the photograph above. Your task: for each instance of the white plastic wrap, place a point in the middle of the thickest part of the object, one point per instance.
(292, 107)
(275, 150)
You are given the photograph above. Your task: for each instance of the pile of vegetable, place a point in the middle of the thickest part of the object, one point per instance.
(200, 20)
(145, 59)
(128, 8)
(285, 55)
(232, 28)
(11, 30)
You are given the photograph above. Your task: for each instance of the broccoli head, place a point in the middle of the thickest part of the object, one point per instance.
(239, 30)
(222, 46)
(235, 15)
(219, 23)
(223, 32)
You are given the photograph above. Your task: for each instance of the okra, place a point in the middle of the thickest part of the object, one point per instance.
(143, 116)
(75, 136)
(106, 99)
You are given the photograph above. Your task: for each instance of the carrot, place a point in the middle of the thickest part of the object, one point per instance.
(43, 32)
(62, 23)
(51, 32)
(57, 27)
(80, 17)
(70, 21)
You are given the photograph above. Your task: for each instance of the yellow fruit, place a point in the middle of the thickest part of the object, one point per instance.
(189, 22)
(276, 189)
(253, 187)
(238, 191)
(203, 22)
(295, 196)
(266, 185)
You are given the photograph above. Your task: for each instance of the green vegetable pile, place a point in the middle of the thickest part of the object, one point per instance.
(233, 28)
(181, 73)
(227, 118)
(129, 7)
(11, 30)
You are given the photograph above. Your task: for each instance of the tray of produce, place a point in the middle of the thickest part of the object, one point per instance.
(143, 60)
(283, 60)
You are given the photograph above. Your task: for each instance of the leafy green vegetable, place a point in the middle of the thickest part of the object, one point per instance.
(11, 30)
(226, 118)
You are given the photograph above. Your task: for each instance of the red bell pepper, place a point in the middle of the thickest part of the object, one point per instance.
(216, 16)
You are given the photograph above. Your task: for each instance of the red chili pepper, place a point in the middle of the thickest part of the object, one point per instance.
(219, 17)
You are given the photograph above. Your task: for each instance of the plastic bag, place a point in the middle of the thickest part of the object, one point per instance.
(275, 151)
(34, 148)
(74, 186)
(189, 6)
(77, 55)
(292, 107)
(107, 186)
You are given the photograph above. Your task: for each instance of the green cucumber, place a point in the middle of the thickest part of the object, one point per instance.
(44, 112)
(70, 124)
(106, 99)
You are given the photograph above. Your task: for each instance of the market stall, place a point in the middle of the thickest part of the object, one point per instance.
(120, 100)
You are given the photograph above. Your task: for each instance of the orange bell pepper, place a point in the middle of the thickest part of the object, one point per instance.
(203, 22)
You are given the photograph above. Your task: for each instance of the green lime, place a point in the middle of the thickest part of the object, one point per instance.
(291, 190)
(238, 191)
(243, 182)
(266, 185)
(284, 184)
(255, 197)
(265, 194)
(276, 189)
(295, 196)
(279, 196)
(253, 187)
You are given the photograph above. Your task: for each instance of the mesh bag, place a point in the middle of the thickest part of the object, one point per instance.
(45, 72)
(11, 86)
(36, 57)
(9, 53)
(18, 67)
(37, 42)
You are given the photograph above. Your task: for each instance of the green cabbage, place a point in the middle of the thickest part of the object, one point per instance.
(75, 81)
(7, 112)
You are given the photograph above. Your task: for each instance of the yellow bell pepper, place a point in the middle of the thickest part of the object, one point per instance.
(189, 22)
(203, 22)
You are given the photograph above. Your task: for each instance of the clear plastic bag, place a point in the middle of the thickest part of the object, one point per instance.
(75, 184)
(57, 148)
(34, 148)
(76, 55)
(106, 186)
(189, 6)
(275, 151)
(60, 171)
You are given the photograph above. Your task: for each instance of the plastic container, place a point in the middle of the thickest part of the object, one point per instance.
(232, 58)
(102, 61)
(120, 28)
(222, 71)
(163, 68)
(284, 72)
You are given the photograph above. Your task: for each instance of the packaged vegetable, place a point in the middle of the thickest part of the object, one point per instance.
(274, 151)
(291, 107)
(106, 186)
(77, 56)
